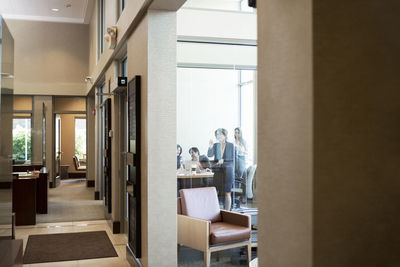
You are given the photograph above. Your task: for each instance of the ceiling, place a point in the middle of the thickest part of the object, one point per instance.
(79, 11)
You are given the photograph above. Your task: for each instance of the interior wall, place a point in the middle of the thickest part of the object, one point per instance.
(22, 102)
(356, 131)
(137, 65)
(50, 58)
(285, 148)
(70, 103)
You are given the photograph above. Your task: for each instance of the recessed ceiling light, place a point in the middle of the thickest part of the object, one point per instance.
(55, 9)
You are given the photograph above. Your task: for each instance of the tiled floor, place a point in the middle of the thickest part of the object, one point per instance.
(72, 201)
(118, 240)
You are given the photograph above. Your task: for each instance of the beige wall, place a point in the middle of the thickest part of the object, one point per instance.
(285, 148)
(50, 58)
(137, 49)
(328, 133)
(22, 102)
(70, 104)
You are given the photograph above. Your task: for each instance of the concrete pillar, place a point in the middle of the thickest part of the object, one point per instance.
(152, 54)
(328, 135)
(285, 148)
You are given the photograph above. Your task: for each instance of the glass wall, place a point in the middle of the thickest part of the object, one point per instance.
(211, 102)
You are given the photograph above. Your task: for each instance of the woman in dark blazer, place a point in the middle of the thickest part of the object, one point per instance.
(224, 156)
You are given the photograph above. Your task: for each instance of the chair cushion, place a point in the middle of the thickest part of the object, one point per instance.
(221, 232)
(201, 203)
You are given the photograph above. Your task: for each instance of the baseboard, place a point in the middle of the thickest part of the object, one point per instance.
(77, 175)
(96, 195)
(116, 227)
(90, 183)
(5, 185)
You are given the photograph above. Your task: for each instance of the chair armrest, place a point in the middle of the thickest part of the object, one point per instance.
(193, 232)
(236, 218)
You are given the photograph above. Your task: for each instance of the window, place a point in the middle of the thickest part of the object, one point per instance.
(22, 138)
(80, 137)
(101, 29)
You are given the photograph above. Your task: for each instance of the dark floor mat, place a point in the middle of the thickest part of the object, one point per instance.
(68, 247)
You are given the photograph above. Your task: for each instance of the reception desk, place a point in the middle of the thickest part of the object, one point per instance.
(30, 196)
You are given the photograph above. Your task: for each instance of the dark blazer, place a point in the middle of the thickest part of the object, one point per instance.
(229, 153)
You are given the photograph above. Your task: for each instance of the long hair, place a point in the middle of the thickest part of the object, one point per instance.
(240, 137)
(180, 149)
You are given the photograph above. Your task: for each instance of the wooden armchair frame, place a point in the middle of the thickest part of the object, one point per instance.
(195, 233)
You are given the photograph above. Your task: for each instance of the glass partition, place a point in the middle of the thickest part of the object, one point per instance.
(216, 122)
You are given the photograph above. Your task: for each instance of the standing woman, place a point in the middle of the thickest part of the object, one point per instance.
(224, 155)
(241, 150)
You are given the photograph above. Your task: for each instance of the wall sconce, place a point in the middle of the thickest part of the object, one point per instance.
(111, 37)
(88, 79)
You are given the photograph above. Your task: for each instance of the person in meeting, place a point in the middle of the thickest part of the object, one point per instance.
(241, 150)
(224, 155)
(178, 156)
(203, 162)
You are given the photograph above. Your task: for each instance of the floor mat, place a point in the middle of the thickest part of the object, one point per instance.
(68, 247)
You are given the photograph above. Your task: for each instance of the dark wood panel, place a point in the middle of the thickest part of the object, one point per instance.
(77, 175)
(134, 162)
(42, 193)
(25, 168)
(96, 195)
(24, 201)
(107, 155)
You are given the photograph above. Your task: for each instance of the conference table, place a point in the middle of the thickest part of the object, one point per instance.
(183, 175)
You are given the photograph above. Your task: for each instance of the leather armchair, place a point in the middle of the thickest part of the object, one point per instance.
(203, 226)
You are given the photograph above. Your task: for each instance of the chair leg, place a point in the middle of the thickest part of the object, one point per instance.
(217, 255)
(207, 258)
(249, 253)
(178, 249)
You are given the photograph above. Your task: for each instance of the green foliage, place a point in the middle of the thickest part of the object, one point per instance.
(80, 146)
(19, 147)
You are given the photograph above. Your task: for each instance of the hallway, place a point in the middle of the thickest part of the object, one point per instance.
(70, 202)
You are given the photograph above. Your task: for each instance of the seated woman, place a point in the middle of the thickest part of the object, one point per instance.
(203, 164)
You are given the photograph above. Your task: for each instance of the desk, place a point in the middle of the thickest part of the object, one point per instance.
(35, 198)
(190, 175)
(26, 175)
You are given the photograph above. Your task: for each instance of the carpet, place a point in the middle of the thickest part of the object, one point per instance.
(68, 247)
